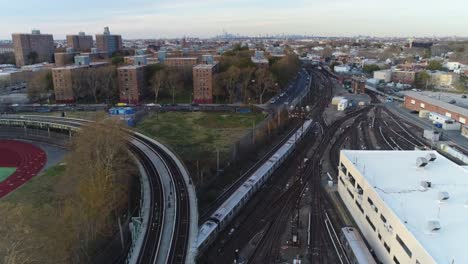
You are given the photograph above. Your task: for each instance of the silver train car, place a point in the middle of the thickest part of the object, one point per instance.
(354, 246)
(228, 210)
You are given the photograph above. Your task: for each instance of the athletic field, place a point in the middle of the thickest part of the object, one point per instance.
(6, 172)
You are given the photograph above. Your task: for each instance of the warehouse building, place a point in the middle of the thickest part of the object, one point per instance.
(414, 212)
(417, 102)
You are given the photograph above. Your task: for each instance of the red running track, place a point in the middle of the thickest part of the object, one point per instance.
(26, 158)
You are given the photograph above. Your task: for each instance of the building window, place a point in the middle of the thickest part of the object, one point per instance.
(413, 102)
(350, 193)
(396, 260)
(462, 120)
(448, 114)
(383, 218)
(341, 180)
(343, 168)
(360, 207)
(422, 105)
(386, 247)
(370, 222)
(403, 245)
(352, 180)
(380, 236)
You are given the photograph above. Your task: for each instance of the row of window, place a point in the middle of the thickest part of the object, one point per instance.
(369, 221)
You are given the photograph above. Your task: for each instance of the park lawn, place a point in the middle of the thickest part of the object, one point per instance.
(193, 135)
(40, 189)
(30, 219)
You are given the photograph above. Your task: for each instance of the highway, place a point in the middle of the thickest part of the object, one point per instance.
(166, 224)
(292, 91)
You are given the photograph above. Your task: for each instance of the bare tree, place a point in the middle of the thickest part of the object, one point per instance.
(157, 82)
(174, 83)
(264, 82)
(231, 79)
(245, 78)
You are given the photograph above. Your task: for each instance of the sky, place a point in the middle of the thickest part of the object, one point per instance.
(206, 18)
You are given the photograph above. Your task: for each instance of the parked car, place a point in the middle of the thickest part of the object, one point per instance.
(463, 96)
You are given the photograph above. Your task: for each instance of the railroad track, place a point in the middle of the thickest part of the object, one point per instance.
(150, 248)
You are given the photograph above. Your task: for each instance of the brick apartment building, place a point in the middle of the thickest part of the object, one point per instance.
(6, 48)
(405, 77)
(131, 79)
(417, 102)
(203, 83)
(181, 62)
(26, 44)
(64, 58)
(66, 79)
(108, 43)
(80, 42)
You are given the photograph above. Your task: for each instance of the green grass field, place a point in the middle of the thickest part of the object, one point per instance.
(6, 172)
(195, 134)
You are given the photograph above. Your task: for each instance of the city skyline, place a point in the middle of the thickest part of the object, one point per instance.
(207, 18)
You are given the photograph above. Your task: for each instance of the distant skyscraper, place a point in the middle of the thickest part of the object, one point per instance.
(108, 43)
(80, 42)
(33, 48)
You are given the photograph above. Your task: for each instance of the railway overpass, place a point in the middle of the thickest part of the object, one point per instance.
(165, 230)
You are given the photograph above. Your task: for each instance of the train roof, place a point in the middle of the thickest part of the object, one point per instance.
(357, 245)
(231, 202)
(205, 230)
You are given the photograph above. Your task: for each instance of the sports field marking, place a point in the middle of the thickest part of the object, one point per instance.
(5, 172)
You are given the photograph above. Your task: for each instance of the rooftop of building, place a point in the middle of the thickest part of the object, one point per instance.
(399, 187)
(128, 67)
(443, 100)
(205, 66)
(258, 60)
(74, 66)
(181, 58)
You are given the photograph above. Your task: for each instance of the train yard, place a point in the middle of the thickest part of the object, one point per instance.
(267, 228)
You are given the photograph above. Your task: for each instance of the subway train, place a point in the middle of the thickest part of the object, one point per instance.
(228, 210)
(354, 246)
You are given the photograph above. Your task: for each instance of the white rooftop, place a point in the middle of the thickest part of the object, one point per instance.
(397, 180)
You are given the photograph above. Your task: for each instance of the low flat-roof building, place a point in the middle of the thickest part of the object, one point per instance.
(416, 102)
(405, 77)
(414, 211)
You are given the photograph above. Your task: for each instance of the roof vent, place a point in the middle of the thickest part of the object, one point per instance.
(426, 184)
(443, 196)
(433, 225)
(431, 157)
(421, 162)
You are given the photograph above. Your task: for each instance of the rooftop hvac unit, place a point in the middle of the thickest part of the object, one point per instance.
(388, 227)
(433, 225)
(426, 184)
(443, 196)
(421, 162)
(431, 157)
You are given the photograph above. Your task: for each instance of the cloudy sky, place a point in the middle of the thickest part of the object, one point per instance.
(205, 18)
